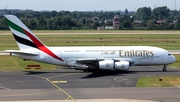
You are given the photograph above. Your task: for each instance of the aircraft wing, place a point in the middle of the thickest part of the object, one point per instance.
(90, 62)
(93, 62)
(21, 52)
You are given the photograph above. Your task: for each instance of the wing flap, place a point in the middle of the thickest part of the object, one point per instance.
(86, 59)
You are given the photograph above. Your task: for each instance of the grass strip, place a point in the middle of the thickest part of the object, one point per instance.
(10, 63)
(168, 41)
(159, 81)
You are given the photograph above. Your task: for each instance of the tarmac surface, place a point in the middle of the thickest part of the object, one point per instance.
(70, 85)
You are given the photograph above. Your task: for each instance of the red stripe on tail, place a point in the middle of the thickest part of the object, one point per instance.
(41, 46)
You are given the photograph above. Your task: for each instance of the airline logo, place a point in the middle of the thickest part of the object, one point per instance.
(35, 43)
(136, 53)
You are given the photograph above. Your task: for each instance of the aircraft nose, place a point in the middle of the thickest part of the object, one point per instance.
(173, 59)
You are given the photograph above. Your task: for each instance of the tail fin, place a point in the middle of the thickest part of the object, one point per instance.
(23, 36)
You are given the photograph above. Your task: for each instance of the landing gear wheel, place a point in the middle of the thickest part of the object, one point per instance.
(95, 71)
(164, 69)
(85, 70)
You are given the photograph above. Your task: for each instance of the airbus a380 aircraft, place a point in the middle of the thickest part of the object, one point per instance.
(99, 57)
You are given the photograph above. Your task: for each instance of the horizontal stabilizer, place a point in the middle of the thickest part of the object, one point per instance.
(21, 52)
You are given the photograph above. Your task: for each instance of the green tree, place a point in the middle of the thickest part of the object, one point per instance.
(177, 25)
(126, 12)
(161, 13)
(53, 13)
(126, 24)
(143, 13)
(177, 15)
(41, 24)
(172, 15)
(3, 24)
(94, 25)
(151, 24)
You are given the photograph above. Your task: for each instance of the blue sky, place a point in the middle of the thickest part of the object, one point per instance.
(87, 5)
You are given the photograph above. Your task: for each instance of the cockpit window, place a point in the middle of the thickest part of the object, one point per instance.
(169, 54)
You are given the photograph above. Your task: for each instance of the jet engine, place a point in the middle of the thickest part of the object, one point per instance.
(107, 64)
(122, 65)
(110, 64)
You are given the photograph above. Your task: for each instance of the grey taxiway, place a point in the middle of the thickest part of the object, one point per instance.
(70, 84)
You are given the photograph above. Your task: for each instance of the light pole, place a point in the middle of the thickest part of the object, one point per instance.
(174, 4)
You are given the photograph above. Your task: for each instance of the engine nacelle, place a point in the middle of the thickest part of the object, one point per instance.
(123, 65)
(107, 64)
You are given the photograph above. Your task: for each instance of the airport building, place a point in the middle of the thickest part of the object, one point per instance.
(116, 22)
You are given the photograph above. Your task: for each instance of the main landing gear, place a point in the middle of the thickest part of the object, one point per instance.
(164, 68)
(91, 70)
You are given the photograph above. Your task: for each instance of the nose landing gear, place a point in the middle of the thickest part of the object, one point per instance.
(164, 68)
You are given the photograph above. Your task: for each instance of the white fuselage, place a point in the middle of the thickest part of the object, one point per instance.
(136, 55)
